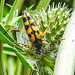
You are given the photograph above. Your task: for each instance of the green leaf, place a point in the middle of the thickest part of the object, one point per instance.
(5, 39)
(24, 59)
(9, 5)
(15, 19)
(50, 70)
(48, 62)
(8, 50)
(29, 8)
(8, 36)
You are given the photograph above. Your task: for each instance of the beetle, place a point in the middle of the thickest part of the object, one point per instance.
(33, 32)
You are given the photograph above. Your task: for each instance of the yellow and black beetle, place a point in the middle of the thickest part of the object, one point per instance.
(33, 32)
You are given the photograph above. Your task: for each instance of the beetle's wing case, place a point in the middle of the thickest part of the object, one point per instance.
(32, 29)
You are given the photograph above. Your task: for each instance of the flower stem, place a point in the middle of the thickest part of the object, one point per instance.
(2, 71)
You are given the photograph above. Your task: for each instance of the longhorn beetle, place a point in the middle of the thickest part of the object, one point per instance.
(33, 32)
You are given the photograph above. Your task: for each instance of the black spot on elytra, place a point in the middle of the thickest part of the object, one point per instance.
(33, 32)
(24, 19)
(38, 31)
(29, 17)
(26, 27)
(34, 23)
(29, 35)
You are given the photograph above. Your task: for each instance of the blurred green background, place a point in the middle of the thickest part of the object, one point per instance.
(27, 3)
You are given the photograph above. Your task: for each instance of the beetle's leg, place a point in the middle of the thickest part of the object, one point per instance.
(57, 42)
(27, 45)
(52, 44)
(48, 26)
(14, 30)
(46, 43)
(32, 49)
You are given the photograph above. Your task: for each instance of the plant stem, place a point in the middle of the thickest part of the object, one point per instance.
(2, 71)
(43, 4)
(73, 4)
(1, 9)
(19, 67)
(65, 60)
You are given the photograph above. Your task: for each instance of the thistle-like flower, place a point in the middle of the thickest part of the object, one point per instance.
(54, 34)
